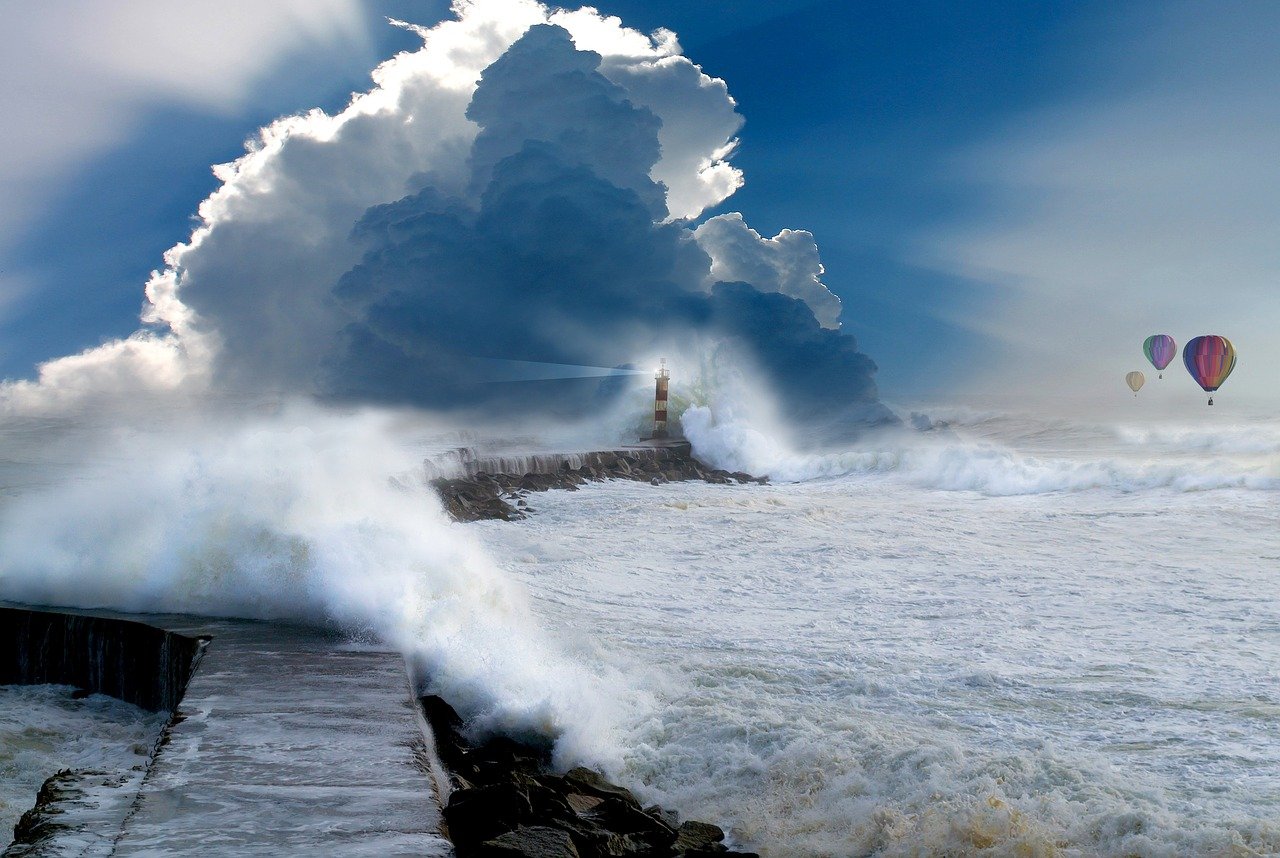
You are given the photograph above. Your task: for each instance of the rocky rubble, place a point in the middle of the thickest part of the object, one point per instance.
(504, 496)
(506, 801)
(40, 825)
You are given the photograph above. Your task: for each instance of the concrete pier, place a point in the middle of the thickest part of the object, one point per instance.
(464, 462)
(288, 741)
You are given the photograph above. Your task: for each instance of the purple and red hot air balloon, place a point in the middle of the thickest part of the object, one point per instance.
(1160, 349)
(1210, 360)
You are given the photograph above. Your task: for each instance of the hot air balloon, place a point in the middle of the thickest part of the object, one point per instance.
(1210, 360)
(1159, 349)
(1135, 380)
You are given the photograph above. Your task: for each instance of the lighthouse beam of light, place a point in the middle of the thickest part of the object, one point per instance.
(498, 370)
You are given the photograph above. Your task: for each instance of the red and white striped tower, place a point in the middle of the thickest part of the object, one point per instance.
(663, 378)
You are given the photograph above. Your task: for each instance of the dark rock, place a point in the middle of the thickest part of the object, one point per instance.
(547, 803)
(475, 499)
(499, 759)
(507, 803)
(638, 833)
(693, 836)
(669, 817)
(590, 839)
(582, 803)
(624, 817)
(446, 725)
(483, 813)
(532, 841)
(43, 821)
(633, 845)
(588, 782)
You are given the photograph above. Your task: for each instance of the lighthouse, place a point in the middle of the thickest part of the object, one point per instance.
(662, 379)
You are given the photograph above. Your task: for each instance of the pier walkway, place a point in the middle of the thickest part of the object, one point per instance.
(289, 742)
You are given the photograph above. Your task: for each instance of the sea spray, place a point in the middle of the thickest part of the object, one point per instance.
(1258, 437)
(303, 516)
(953, 461)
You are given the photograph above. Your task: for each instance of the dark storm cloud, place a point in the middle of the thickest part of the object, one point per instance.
(544, 89)
(559, 254)
(817, 374)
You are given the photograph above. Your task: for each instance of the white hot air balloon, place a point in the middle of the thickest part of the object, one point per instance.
(1135, 380)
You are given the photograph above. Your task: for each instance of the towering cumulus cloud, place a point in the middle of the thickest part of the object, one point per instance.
(523, 187)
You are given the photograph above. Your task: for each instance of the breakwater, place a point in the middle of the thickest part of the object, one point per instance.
(288, 740)
(291, 740)
(497, 487)
(80, 811)
(473, 463)
(131, 661)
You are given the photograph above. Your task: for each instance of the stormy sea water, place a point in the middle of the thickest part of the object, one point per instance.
(1002, 635)
(46, 728)
(1013, 636)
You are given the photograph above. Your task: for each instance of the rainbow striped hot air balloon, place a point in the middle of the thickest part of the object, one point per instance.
(1160, 349)
(1210, 360)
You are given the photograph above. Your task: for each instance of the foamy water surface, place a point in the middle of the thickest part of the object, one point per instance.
(969, 642)
(43, 729)
(1001, 636)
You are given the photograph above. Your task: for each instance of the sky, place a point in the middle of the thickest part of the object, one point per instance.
(1005, 196)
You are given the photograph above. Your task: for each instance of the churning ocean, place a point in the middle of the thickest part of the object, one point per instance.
(1010, 636)
(1005, 635)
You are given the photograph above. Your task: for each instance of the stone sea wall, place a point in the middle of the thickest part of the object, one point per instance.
(498, 487)
(79, 812)
(134, 662)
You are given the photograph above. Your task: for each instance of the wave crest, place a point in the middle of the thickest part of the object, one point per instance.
(304, 517)
(948, 462)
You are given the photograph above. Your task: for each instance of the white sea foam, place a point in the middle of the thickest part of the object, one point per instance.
(1257, 437)
(303, 516)
(950, 462)
(862, 666)
(44, 730)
